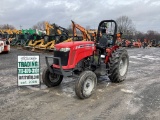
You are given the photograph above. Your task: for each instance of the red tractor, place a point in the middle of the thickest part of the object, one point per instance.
(86, 60)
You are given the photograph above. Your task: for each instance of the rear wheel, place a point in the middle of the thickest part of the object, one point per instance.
(51, 79)
(86, 84)
(118, 65)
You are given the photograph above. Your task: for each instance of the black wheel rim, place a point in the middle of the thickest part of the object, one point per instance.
(54, 77)
(88, 86)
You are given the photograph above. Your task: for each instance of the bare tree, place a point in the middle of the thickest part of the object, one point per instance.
(70, 29)
(88, 27)
(151, 34)
(140, 35)
(39, 25)
(125, 25)
(7, 26)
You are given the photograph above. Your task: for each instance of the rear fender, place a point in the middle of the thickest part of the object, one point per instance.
(109, 52)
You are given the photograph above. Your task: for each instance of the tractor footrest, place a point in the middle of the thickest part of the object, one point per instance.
(101, 70)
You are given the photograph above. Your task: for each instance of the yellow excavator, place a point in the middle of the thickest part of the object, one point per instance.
(42, 44)
(1, 31)
(48, 38)
(35, 40)
(15, 31)
(64, 36)
(10, 34)
(60, 34)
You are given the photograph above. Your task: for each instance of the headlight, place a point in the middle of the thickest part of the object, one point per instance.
(65, 49)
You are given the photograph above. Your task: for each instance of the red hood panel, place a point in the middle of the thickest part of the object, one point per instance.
(70, 44)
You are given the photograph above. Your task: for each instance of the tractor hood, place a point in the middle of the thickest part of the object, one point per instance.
(74, 44)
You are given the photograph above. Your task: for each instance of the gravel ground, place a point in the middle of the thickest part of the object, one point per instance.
(137, 98)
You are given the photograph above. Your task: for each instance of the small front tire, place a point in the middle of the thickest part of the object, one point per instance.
(86, 84)
(51, 79)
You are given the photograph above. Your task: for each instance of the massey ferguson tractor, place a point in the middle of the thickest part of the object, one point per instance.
(86, 60)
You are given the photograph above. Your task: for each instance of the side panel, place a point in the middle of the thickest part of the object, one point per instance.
(82, 51)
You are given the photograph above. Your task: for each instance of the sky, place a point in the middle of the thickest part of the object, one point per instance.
(26, 13)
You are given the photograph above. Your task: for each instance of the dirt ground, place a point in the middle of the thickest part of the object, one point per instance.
(137, 98)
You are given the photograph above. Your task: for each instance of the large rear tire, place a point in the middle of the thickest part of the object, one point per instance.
(86, 84)
(51, 79)
(118, 65)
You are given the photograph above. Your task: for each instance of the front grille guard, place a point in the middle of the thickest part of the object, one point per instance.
(63, 72)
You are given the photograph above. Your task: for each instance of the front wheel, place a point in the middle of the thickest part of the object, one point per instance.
(51, 79)
(86, 84)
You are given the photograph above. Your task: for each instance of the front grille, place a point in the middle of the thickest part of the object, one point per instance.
(63, 56)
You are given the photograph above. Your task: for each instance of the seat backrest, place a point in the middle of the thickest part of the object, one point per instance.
(103, 41)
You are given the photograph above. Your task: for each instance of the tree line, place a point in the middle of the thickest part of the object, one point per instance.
(125, 25)
(7, 26)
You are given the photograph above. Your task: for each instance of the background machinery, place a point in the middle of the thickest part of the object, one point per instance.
(55, 34)
(85, 35)
(137, 43)
(155, 43)
(35, 38)
(127, 43)
(24, 36)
